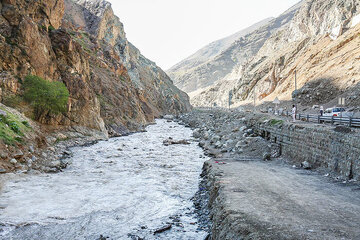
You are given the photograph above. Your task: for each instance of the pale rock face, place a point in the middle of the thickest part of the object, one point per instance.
(217, 93)
(98, 19)
(316, 18)
(314, 42)
(355, 21)
(210, 82)
(217, 59)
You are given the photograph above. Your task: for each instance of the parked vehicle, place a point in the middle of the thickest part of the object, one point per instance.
(337, 112)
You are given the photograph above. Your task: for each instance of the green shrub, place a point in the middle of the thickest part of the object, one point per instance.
(19, 139)
(51, 28)
(42, 28)
(2, 119)
(26, 124)
(14, 127)
(276, 121)
(45, 96)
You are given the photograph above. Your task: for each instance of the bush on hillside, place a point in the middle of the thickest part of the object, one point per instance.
(45, 96)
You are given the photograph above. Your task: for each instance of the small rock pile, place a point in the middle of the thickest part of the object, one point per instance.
(224, 134)
(171, 141)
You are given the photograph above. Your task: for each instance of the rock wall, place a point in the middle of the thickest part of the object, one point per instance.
(325, 147)
(131, 89)
(113, 88)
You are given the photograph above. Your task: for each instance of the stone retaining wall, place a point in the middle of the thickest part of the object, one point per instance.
(320, 145)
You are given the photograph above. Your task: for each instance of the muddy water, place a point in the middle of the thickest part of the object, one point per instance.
(124, 188)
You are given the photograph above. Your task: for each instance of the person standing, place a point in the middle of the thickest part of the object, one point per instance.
(321, 111)
(294, 113)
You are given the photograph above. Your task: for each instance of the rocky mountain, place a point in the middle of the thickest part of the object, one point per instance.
(141, 89)
(227, 63)
(113, 88)
(321, 42)
(202, 68)
(83, 44)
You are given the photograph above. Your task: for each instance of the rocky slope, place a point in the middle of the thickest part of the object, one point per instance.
(202, 70)
(214, 61)
(113, 88)
(321, 43)
(120, 75)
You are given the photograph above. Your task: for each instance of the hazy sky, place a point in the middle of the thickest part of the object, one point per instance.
(167, 31)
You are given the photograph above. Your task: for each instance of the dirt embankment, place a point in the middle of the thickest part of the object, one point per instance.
(26, 145)
(250, 198)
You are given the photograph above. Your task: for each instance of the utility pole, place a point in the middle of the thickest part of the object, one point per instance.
(230, 98)
(254, 98)
(295, 92)
(295, 81)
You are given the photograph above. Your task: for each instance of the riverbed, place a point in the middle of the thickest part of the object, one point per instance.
(123, 188)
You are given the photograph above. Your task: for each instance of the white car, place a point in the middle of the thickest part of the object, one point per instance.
(337, 112)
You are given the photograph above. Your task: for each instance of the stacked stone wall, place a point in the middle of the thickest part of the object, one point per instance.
(319, 145)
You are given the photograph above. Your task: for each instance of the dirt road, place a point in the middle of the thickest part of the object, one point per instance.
(267, 200)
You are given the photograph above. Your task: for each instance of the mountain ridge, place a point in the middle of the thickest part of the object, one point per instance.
(198, 72)
(270, 72)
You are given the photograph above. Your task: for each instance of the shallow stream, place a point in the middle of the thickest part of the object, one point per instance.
(124, 188)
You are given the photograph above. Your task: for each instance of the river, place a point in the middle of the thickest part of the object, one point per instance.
(123, 188)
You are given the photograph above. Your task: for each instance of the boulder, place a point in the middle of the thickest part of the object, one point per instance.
(196, 133)
(306, 165)
(206, 135)
(229, 142)
(18, 154)
(3, 113)
(214, 139)
(266, 156)
(243, 128)
(169, 117)
(55, 164)
(218, 144)
(61, 137)
(29, 162)
(170, 141)
(13, 161)
(31, 149)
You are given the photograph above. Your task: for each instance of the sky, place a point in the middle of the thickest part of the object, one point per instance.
(168, 31)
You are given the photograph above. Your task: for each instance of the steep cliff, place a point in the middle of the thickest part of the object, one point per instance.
(107, 77)
(321, 43)
(120, 75)
(113, 88)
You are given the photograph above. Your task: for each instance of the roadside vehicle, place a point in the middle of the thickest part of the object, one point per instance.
(337, 112)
